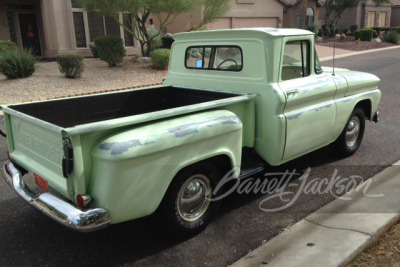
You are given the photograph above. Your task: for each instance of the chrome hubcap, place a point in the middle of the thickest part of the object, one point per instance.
(194, 197)
(352, 131)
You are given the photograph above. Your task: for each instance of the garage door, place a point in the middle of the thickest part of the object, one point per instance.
(255, 22)
(221, 23)
(229, 23)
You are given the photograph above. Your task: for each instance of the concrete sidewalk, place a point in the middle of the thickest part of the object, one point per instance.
(338, 232)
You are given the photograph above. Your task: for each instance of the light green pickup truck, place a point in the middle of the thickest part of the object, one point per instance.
(231, 98)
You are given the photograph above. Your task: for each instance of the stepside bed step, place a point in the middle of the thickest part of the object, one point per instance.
(251, 167)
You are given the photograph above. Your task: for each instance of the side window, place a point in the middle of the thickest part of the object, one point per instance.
(227, 58)
(296, 60)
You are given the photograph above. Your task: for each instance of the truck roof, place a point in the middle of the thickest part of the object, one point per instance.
(272, 32)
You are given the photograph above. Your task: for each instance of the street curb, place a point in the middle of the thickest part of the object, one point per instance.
(359, 53)
(339, 236)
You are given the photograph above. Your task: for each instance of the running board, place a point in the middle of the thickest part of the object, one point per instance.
(250, 168)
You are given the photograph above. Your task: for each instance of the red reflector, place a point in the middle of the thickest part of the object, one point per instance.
(42, 183)
(80, 201)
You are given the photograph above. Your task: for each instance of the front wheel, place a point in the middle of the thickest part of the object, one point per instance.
(350, 138)
(187, 207)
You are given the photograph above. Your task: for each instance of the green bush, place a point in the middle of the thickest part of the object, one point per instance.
(366, 34)
(312, 28)
(16, 64)
(110, 49)
(71, 66)
(167, 41)
(93, 50)
(156, 41)
(397, 29)
(391, 37)
(7, 46)
(353, 28)
(160, 58)
(357, 35)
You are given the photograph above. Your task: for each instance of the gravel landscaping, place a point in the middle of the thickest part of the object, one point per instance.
(350, 44)
(47, 82)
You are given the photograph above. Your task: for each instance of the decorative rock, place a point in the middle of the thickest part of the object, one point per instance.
(377, 40)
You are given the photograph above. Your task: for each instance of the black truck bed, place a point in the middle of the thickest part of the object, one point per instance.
(81, 110)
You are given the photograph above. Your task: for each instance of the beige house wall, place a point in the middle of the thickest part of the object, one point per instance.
(291, 13)
(243, 14)
(56, 27)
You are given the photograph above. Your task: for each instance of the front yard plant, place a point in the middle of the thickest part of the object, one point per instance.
(16, 64)
(160, 58)
(7, 46)
(71, 66)
(110, 49)
(366, 34)
(391, 37)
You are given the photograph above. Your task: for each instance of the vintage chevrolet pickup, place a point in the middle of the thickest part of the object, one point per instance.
(108, 158)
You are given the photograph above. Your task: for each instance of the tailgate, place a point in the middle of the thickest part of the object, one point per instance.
(38, 149)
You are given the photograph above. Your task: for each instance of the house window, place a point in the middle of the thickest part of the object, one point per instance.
(309, 17)
(88, 26)
(298, 22)
(296, 60)
(370, 20)
(381, 19)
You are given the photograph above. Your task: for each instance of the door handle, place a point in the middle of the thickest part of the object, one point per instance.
(292, 92)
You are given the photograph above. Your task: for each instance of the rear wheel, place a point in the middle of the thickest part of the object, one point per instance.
(187, 207)
(350, 138)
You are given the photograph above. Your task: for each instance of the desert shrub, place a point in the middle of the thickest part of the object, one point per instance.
(16, 64)
(110, 49)
(358, 41)
(357, 35)
(342, 37)
(391, 37)
(160, 58)
(366, 34)
(312, 28)
(71, 66)
(167, 41)
(93, 50)
(7, 46)
(353, 28)
(349, 33)
(156, 41)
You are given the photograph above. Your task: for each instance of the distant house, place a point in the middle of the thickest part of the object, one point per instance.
(367, 15)
(255, 13)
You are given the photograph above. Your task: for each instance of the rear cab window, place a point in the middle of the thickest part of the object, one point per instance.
(223, 58)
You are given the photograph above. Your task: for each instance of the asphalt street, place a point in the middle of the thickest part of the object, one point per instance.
(28, 238)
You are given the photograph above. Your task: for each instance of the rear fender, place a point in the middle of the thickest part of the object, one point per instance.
(133, 169)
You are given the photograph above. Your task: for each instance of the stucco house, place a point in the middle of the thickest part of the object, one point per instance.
(54, 27)
(367, 15)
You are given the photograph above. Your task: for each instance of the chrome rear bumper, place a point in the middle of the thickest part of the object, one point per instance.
(54, 207)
